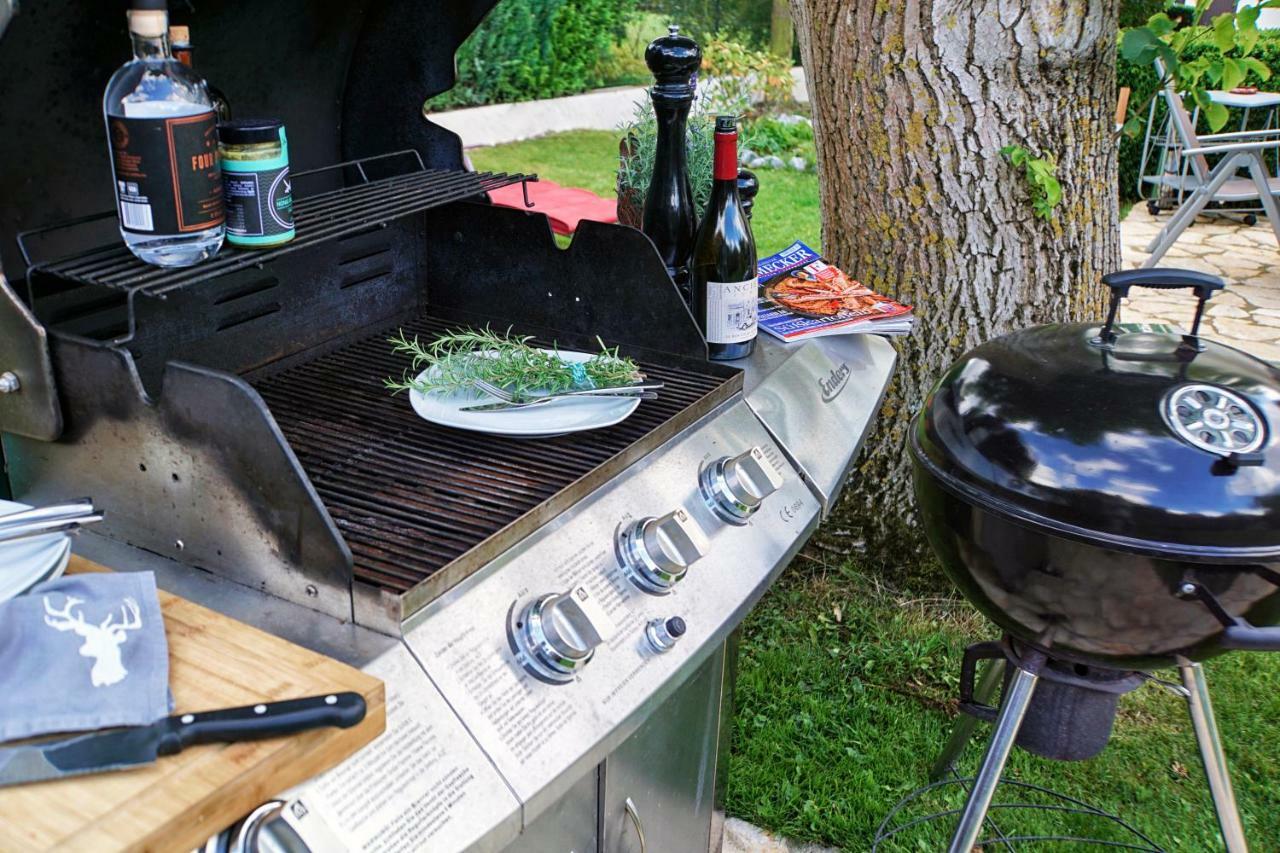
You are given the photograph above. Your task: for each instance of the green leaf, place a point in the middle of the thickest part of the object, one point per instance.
(1224, 31)
(1233, 72)
(1139, 45)
(1214, 71)
(1217, 116)
(1257, 66)
(1247, 29)
(1052, 190)
(1161, 24)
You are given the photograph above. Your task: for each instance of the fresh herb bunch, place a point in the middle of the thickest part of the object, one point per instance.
(508, 361)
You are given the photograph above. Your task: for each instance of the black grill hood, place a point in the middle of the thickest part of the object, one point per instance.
(349, 80)
(1046, 427)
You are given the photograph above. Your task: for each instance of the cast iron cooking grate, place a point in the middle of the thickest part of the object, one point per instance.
(410, 497)
(329, 215)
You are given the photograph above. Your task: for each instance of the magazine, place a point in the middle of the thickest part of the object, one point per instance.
(802, 296)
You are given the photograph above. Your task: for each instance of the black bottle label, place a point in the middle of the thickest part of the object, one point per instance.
(731, 311)
(168, 179)
(259, 205)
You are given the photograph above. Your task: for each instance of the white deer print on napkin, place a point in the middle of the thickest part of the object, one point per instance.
(86, 651)
(102, 642)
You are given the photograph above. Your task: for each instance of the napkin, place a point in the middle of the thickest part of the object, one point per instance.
(83, 652)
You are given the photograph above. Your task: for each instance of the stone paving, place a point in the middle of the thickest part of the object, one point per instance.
(742, 837)
(1247, 314)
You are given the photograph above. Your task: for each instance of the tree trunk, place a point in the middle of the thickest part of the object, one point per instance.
(781, 31)
(912, 101)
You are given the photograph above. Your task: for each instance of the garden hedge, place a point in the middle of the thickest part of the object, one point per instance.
(1142, 81)
(529, 49)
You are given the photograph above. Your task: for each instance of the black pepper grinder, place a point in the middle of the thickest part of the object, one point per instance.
(748, 186)
(669, 218)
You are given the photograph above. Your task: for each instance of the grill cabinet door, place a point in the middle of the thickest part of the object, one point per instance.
(668, 770)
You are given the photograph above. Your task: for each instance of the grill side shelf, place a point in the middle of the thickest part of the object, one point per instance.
(319, 217)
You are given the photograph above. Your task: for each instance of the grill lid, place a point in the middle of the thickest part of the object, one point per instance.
(1133, 439)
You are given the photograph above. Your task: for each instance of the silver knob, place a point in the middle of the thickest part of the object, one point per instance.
(556, 635)
(735, 486)
(9, 382)
(662, 634)
(656, 552)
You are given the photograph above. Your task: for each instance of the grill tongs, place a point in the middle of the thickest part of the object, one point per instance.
(56, 518)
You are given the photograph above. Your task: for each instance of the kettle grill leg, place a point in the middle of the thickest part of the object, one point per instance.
(965, 724)
(1012, 709)
(1215, 761)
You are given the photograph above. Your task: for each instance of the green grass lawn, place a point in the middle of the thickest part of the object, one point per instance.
(786, 208)
(847, 685)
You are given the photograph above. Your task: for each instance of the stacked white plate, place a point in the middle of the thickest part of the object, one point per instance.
(27, 562)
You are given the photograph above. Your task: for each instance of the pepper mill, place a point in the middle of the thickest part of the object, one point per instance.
(748, 186)
(669, 218)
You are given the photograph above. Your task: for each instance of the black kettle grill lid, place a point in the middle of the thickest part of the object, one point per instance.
(1127, 444)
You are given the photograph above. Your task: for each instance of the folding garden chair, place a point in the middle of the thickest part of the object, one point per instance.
(1199, 183)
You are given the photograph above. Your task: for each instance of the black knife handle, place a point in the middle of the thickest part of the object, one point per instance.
(265, 720)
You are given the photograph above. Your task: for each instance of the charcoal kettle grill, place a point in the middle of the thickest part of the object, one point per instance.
(1110, 497)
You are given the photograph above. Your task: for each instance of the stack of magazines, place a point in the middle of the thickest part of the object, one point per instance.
(802, 296)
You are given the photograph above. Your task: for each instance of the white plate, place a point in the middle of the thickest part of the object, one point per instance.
(562, 416)
(27, 562)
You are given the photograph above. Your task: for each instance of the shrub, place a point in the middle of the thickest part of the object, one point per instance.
(746, 81)
(783, 138)
(1141, 79)
(745, 21)
(529, 49)
(1134, 13)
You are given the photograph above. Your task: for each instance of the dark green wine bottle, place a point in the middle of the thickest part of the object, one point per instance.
(722, 268)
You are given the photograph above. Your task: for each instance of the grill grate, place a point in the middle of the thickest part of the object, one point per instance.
(324, 216)
(411, 497)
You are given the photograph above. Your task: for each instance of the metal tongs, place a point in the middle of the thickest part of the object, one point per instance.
(56, 518)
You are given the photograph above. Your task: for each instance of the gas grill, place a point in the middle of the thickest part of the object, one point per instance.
(548, 614)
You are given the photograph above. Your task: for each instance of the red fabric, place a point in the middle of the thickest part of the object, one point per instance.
(564, 206)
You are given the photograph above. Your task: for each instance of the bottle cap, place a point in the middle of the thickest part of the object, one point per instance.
(179, 34)
(674, 60)
(249, 131)
(726, 124)
(149, 18)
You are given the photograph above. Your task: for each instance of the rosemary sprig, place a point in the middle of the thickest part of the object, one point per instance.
(509, 361)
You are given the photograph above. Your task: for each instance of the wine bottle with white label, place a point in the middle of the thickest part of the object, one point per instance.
(163, 134)
(722, 268)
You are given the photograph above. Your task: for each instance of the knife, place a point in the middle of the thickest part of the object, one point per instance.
(545, 401)
(123, 749)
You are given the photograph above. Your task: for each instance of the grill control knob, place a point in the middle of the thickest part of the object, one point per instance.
(656, 552)
(556, 635)
(663, 633)
(735, 486)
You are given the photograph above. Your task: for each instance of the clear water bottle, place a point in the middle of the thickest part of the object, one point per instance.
(163, 134)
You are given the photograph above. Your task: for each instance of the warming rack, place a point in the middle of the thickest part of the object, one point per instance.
(323, 216)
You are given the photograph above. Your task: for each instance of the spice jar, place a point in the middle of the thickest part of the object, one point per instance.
(256, 187)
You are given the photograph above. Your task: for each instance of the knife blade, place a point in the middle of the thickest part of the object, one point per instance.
(546, 401)
(123, 749)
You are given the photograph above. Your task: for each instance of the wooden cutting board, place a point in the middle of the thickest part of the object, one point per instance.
(182, 800)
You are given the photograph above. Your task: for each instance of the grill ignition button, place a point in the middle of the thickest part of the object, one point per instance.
(662, 634)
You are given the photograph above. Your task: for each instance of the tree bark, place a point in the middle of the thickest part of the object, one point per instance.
(912, 101)
(781, 31)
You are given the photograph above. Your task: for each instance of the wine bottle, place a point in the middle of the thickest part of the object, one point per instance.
(722, 267)
(180, 44)
(162, 132)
